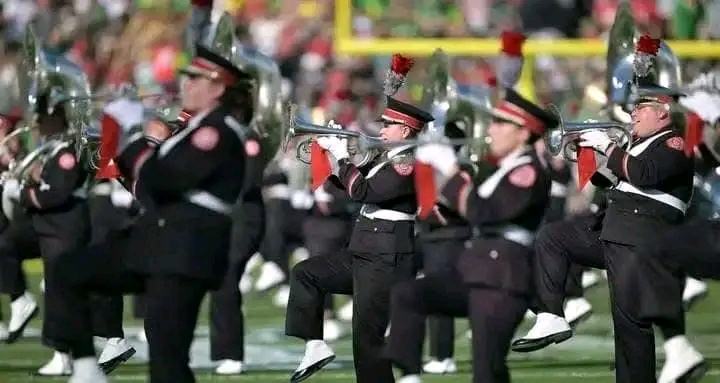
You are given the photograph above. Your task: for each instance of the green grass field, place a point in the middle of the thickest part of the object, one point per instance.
(271, 356)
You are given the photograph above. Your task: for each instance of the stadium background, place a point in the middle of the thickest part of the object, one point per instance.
(330, 56)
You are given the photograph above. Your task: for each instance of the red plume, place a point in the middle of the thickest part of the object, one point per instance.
(646, 48)
(395, 77)
(109, 140)
(647, 45)
(512, 43)
(202, 3)
(401, 65)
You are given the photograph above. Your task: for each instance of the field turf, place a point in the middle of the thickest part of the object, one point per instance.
(271, 356)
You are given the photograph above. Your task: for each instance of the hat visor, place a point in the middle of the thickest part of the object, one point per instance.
(192, 71)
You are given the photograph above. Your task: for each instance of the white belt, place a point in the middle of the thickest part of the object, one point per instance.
(656, 195)
(557, 189)
(517, 234)
(208, 201)
(280, 191)
(385, 214)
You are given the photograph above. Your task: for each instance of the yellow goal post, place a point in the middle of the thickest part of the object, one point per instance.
(346, 44)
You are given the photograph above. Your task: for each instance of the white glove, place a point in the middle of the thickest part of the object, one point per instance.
(301, 200)
(11, 189)
(595, 139)
(335, 145)
(126, 112)
(440, 156)
(703, 104)
(121, 198)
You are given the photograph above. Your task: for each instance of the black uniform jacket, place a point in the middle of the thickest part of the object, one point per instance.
(445, 223)
(57, 203)
(334, 203)
(386, 187)
(654, 189)
(506, 209)
(188, 185)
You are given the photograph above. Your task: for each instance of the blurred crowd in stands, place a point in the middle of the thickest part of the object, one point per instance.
(139, 41)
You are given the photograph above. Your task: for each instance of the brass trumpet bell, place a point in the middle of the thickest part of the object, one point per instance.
(360, 146)
(563, 140)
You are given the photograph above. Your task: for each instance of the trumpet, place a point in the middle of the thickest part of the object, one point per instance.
(564, 139)
(360, 146)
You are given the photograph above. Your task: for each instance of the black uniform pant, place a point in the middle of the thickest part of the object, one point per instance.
(326, 237)
(494, 316)
(139, 306)
(692, 249)
(173, 304)
(227, 322)
(369, 278)
(275, 245)
(440, 255)
(17, 242)
(560, 244)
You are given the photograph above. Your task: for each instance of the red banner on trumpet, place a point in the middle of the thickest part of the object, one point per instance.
(425, 189)
(320, 167)
(109, 140)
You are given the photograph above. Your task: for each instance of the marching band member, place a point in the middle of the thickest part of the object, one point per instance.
(651, 194)
(379, 253)
(491, 281)
(227, 319)
(440, 240)
(689, 249)
(178, 249)
(53, 197)
(326, 231)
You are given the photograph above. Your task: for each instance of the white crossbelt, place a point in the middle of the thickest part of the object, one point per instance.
(373, 212)
(208, 201)
(653, 194)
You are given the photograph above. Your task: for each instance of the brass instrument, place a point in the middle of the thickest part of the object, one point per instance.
(359, 150)
(268, 119)
(563, 139)
(452, 106)
(67, 86)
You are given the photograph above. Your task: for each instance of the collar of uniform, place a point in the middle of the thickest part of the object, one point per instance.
(195, 120)
(513, 155)
(657, 132)
(394, 152)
